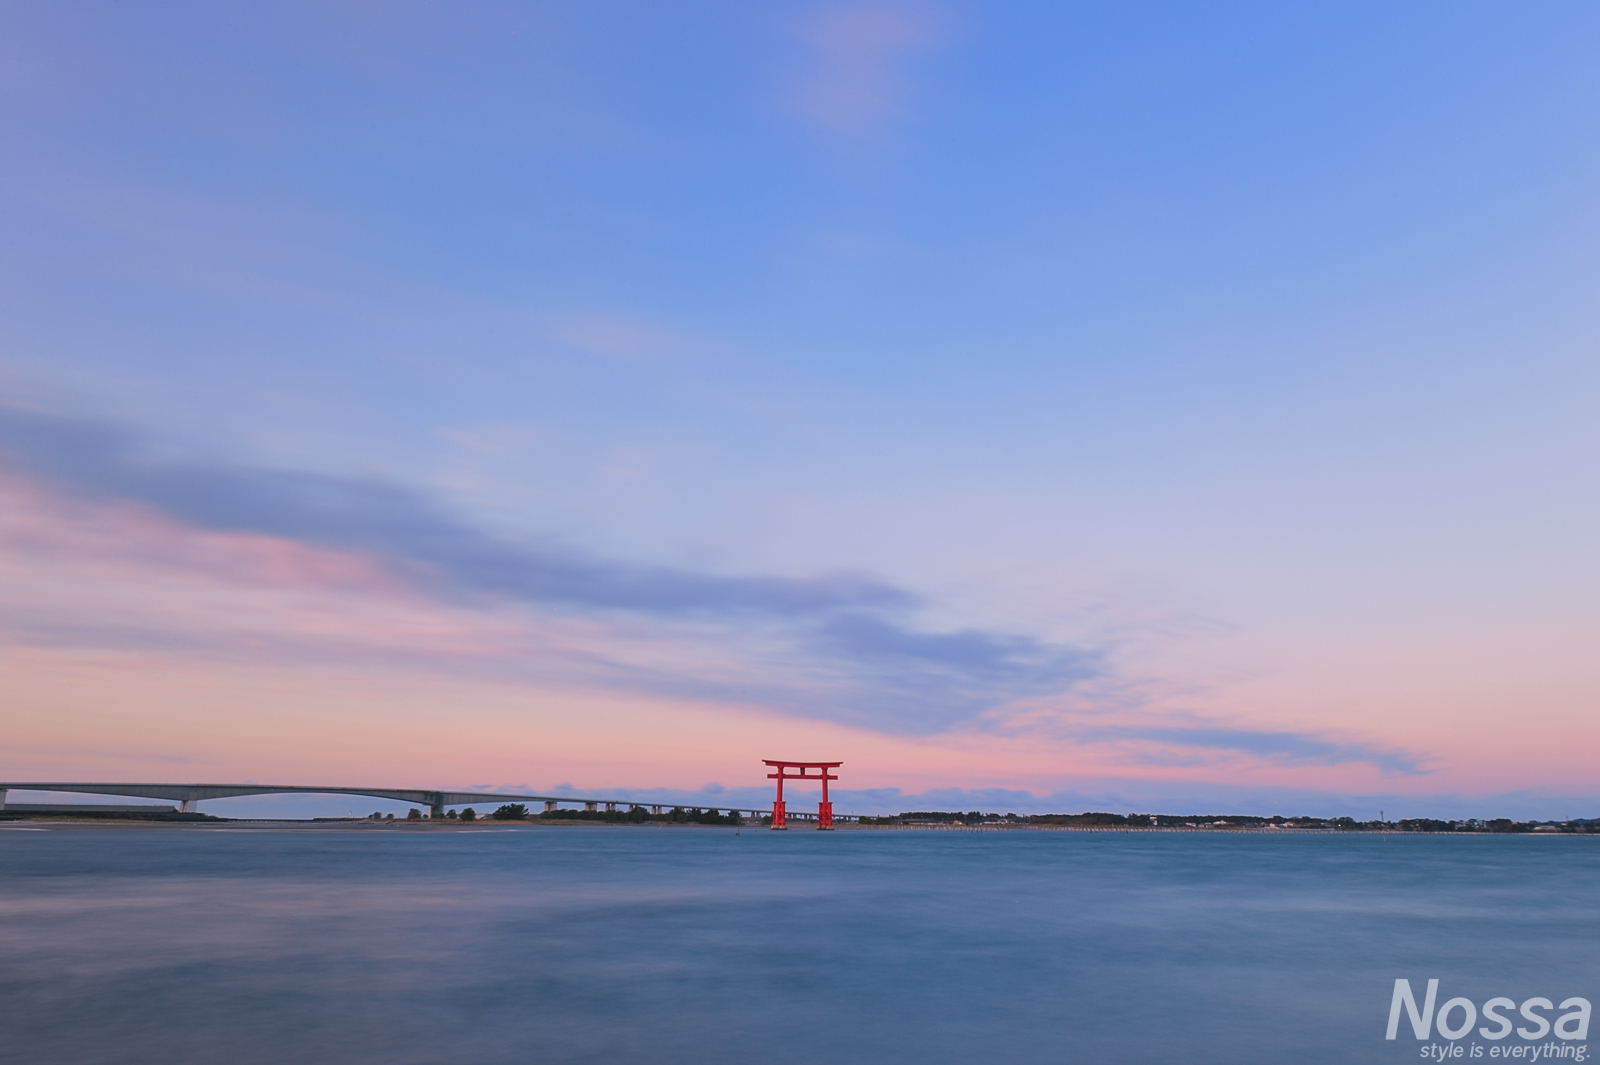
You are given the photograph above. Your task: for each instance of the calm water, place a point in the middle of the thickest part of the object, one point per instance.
(601, 944)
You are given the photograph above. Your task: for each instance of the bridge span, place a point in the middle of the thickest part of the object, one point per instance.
(436, 801)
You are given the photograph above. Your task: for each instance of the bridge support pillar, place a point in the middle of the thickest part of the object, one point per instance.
(436, 807)
(2, 798)
(591, 806)
(187, 806)
(549, 805)
(611, 807)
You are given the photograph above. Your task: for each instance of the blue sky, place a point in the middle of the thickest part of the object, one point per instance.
(1151, 396)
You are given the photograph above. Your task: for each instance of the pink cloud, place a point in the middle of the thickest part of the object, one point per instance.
(121, 579)
(857, 81)
(48, 526)
(110, 577)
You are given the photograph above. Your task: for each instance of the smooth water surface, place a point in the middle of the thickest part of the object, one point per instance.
(249, 944)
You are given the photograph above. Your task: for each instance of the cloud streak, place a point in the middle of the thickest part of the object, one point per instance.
(411, 531)
(838, 643)
(1283, 748)
(301, 568)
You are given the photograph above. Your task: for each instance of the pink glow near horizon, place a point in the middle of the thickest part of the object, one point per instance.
(144, 630)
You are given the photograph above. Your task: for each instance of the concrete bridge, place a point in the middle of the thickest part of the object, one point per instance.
(436, 801)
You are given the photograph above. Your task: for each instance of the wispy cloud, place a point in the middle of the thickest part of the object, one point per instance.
(1282, 748)
(133, 553)
(834, 645)
(619, 338)
(411, 531)
(857, 82)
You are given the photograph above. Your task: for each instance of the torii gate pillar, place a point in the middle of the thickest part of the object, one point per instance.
(824, 808)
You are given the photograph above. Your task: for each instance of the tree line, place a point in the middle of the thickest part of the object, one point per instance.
(1097, 819)
(1091, 819)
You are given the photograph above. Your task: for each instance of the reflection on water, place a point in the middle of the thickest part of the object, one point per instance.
(604, 944)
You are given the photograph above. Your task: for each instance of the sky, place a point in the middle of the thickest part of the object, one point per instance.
(1036, 407)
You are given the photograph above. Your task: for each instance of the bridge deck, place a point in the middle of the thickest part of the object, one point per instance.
(437, 801)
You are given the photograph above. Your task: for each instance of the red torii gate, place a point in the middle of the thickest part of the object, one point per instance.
(824, 808)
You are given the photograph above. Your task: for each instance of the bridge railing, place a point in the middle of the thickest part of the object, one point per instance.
(437, 801)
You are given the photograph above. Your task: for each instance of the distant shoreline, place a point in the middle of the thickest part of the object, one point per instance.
(426, 825)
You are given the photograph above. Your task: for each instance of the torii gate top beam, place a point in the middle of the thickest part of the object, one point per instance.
(802, 766)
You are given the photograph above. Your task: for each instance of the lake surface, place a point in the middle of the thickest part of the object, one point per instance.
(534, 944)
